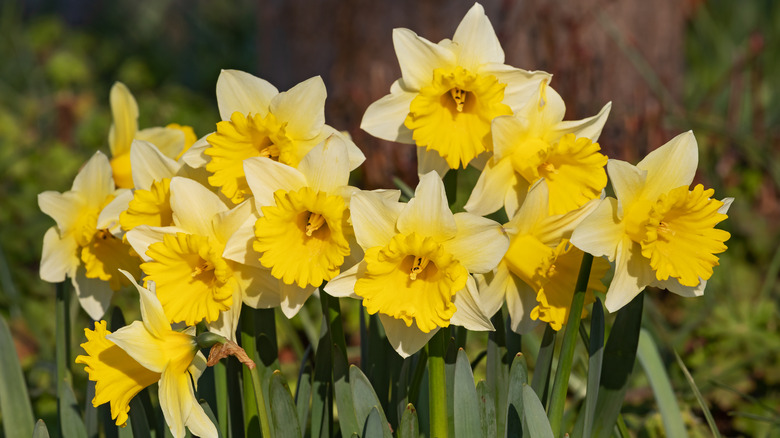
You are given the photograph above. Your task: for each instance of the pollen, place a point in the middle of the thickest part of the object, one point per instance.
(459, 96)
(418, 266)
(314, 222)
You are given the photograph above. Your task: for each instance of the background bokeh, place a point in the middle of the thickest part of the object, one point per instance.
(668, 66)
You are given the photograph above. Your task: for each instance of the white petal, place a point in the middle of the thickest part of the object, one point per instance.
(141, 345)
(239, 247)
(343, 285)
(726, 205)
(515, 197)
(481, 160)
(64, 208)
(227, 322)
(405, 340)
(228, 222)
(142, 236)
(176, 400)
(470, 313)
(293, 298)
(94, 180)
(520, 300)
(302, 107)
(505, 131)
(590, 127)
(428, 213)
(168, 140)
(385, 117)
(152, 311)
(672, 285)
(430, 161)
(265, 176)
(533, 210)
(149, 164)
(477, 40)
(632, 275)
(374, 218)
(194, 206)
(242, 92)
(326, 167)
(94, 294)
(670, 166)
(489, 193)
(552, 229)
(124, 111)
(59, 257)
(109, 216)
(197, 367)
(627, 181)
(479, 244)
(600, 233)
(261, 290)
(492, 288)
(194, 157)
(419, 57)
(521, 85)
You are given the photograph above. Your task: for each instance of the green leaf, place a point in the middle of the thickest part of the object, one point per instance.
(14, 401)
(467, 412)
(702, 403)
(283, 411)
(655, 370)
(619, 357)
(322, 397)
(373, 426)
(408, 427)
(365, 399)
(303, 391)
(90, 411)
(40, 430)
(138, 418)
(342, 390)
(541, 379)
(70, 417)
(497, 373)
(487, 410)
(595, 359)
(518, 377)
(534, 417)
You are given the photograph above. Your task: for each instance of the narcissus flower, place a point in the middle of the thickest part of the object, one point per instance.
(86, 244)
(303, 233)
(194, 282)
(536, 143)
(538, 274)
(449, 92)
(171, 140)
(259, 121)
(418, 259)
(145, 352)
(658, 231)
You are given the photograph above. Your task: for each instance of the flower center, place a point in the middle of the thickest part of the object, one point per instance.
(201, 268)
(417, 266)
(459, 96)
(314, 222)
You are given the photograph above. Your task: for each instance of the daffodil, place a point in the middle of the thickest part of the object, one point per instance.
(86, 244)
(259, 121)
(303, 234)
(537, 275)
(658, 231)
(536, 144)
(194, 281)
(146, 352)
(171, 140)
(419, 257)
(449, 93)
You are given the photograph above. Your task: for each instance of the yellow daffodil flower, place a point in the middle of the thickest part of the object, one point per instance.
(418, 259)
(448, 94)
(536, 143)
(303, 233)
(194, 281)
(658, 231)
(146, 352)
(259, 121)
(171, 140)
(86, 244)
(538, 274)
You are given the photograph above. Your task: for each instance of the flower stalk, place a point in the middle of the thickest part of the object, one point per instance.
(437, 384)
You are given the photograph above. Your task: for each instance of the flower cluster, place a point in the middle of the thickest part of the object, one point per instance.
(260, 213)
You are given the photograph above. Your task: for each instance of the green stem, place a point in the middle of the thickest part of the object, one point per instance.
(437, 385)
(265, 424)
(63, 331)
(220, 385)
(332, 311)
(561, 383)
(254, 408)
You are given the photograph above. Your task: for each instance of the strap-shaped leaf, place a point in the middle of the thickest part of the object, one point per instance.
(365, 399)
(409, 427)
(14, 401)
(664, 395)
(467, 413)
(283, 412)
(534, 418)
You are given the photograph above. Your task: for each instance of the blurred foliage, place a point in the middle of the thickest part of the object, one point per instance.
(54, 115)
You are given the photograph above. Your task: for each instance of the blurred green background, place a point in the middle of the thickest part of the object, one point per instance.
(710, 65)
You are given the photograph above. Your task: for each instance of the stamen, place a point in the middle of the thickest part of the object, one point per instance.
(663, 227)
(203, 267)
(417, 267)
(314, 223)
(271, 151)
(460, 98)
(551, 271)
(548, 168)
(104, 234)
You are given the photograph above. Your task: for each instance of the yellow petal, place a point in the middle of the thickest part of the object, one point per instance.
(124, 111)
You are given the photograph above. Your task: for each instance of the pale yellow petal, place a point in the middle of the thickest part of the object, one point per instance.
(552, 229)
(94, 181)
(533, 210)
(489, 193)
(431, 161)
(239, 247)
(521, 85)
(194, 206)
(59, 257)
(515, 197)
(261, 289)
(405, 340)
(428, 213)
(176, 399)
(418, 58)
(673, 285)
(374, 217)
(242, 92)
(302, 107)
(195, 156)
(228, 222)
(265, 176)
(293, 298)
(94, 294)
(385, 117)
(479, 244)
(109, 215)
(343, 285)
(520, 299)
(505, 131)
(64, 208)
(628, 182)
(670, 166)
(152, 311)
(600, 233)
(590, 127)
(150, 164)
(168, 140)
(632, 275)
(492, 288)
(124, 111)
(477, 41)
(326, 167)
(141, 345)
(142, 236)
(470, 313)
